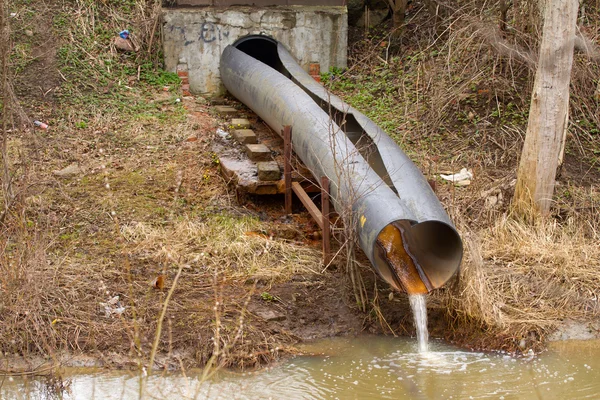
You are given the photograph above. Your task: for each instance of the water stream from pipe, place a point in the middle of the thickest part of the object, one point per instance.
(418, 304)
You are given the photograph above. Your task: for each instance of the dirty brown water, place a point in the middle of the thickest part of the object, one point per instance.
(407, 276)
(366, 367)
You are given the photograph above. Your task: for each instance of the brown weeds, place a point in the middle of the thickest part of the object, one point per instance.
(519, 278)
(461, 101)
(80, 253)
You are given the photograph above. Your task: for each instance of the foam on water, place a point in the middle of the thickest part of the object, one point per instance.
(439, 362)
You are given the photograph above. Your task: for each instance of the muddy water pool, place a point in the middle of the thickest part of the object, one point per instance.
(366, 367)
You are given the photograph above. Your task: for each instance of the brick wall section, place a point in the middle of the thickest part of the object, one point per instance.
(314, 70)
(183, 74)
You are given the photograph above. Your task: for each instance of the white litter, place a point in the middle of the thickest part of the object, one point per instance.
(113, 307)
(222, 133)
(461, 178)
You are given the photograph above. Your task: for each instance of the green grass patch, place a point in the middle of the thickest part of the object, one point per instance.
(97, 75)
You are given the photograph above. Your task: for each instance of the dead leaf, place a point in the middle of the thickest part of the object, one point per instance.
(159, 282)
(256, 234)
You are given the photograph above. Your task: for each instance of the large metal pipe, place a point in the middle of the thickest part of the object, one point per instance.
(401, 225)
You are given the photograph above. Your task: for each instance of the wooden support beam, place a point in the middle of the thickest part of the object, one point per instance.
(321, 218)
(325, 219)
(313, 210)
(287, 167)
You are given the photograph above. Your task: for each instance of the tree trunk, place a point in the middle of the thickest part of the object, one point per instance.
(504, 6)
(548, 112)
(398, 11)
(5, 106)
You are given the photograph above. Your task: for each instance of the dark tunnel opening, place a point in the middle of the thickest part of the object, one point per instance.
(262, 48)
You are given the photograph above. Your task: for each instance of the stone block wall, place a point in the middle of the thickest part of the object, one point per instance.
(195, 37)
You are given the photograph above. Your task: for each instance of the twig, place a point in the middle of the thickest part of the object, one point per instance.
(162, 317)
(35, 372)
(152, 34)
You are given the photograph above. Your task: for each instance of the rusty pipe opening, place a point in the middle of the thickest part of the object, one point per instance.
(417, 257)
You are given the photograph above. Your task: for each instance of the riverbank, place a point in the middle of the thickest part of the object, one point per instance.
(460, 104)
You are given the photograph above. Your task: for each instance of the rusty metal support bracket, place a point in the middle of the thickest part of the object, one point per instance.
(311, 207)
(325, 218)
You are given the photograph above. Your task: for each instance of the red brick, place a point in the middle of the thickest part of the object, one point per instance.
(185, 80)
(182, 74)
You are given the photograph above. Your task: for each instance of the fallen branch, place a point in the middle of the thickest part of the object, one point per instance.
(493, 36)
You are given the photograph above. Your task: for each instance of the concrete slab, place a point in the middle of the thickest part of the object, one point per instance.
(218, 101)
(226, 110)
(268, 171)
(245, 136)
(240, 123)
(258, 152)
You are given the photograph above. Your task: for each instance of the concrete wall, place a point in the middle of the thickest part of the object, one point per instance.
(194, 38)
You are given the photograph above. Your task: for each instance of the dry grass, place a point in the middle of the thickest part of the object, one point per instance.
(53, 296)
(460, 98)
(233, 245)
(519, 280)
(75, 244)
(80, 254)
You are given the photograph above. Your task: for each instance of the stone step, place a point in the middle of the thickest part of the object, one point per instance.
(258, 152)
(268, 171)
(245, 136)
(240, 123)
(218, 101)
(226, 110)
